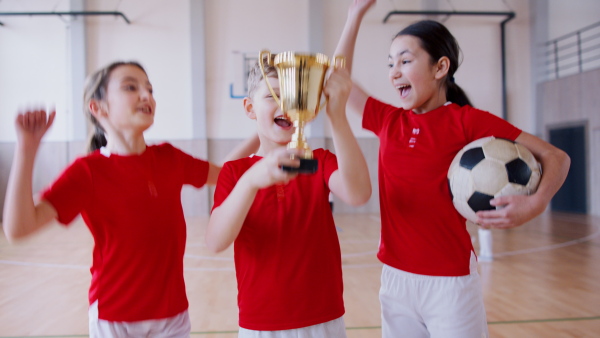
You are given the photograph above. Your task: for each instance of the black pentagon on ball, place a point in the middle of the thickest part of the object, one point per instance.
(480, 201)
(471, 157)
(518, 171)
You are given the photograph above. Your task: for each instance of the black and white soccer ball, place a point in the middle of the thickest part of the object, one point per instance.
(491, 167)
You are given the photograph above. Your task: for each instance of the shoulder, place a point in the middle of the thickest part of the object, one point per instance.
(466, 109)
(374, 104)
(465, 113)
(322, 153)
(90, 160)
(242, 164)
(167, 151)
(163, 148)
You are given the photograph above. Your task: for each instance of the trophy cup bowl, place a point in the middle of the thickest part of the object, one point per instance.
(301, 78)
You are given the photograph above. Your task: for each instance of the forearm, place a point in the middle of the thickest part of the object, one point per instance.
(19, 218)
(226, 220)
(244, 149)
(555, 167)
(348, 38)
(355, 183)
(213, 174)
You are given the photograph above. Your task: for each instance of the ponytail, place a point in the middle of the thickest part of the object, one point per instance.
(455, 94)
(97, 139)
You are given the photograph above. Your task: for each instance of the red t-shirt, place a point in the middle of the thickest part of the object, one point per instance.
(132, 206)
(287, 254)
(421, 231)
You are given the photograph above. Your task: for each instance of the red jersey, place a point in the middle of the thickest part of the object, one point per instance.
(287, 254)
(132, 206)
(421, 231)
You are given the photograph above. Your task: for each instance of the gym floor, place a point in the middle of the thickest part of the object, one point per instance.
(543, 281)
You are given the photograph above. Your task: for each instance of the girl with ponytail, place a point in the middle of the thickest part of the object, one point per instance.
(429, 282)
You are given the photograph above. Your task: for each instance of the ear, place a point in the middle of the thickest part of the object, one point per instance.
(95, 108)
(442, 67)
(248, 107)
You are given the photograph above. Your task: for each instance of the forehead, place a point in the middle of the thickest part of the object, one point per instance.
(262, 85)
(128, 73)
(405, 44)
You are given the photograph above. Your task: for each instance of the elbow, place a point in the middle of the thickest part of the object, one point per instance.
(11, 234)
(566, 160)
(215, 246)
(360, 198)
(215, 249)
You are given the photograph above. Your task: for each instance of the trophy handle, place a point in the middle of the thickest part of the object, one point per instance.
(342, 61)
(339, 61)
(262, 70)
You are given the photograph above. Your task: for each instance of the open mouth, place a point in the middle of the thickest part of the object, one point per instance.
(283, 122)
(404, 90)
(145, 110)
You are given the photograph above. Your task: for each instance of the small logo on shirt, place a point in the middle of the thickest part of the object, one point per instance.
(413, 140)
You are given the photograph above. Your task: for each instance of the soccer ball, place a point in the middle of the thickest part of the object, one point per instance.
(487, 168)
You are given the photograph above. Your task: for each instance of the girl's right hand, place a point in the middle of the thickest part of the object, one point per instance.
(360, 7)
(32, 125)
(268, 172)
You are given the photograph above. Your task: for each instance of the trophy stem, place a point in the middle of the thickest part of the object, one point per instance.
(299, 140)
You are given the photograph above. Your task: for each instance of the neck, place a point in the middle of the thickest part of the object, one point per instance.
(434, 102)
(267, 146)
(123, 144)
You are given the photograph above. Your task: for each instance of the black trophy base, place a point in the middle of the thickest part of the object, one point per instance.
(307, 166)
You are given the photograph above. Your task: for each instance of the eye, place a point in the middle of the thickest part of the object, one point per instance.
(130, 87)
(405, 62)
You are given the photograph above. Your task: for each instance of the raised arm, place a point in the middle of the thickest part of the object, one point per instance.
(227, 219)
(21, 215)
(520, 209)
(358, 97)
(244, 149)
(351, 182)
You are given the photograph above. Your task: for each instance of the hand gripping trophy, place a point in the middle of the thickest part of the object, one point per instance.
(301, 78)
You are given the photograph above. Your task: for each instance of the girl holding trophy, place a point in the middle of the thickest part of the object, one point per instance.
(287, 254)
(429, 284)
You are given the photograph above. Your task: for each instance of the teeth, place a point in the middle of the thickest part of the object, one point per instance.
(402, 86)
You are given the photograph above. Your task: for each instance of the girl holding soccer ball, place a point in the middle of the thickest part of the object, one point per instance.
(429, 284)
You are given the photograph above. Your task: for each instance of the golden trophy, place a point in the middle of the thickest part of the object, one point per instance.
(301, 78)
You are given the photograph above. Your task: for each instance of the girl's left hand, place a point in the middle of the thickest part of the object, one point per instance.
(516, 210)
(337, 89)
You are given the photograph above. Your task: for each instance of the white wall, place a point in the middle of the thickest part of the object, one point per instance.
(566, 17)
(34, 54)
(479, 37)
(159, 38)
(235, 27)
(32, 66)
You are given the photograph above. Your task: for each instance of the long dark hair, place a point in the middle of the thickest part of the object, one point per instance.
(95, 89)
(437, 41)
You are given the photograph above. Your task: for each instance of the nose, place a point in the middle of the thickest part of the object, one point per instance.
(395, 72)
(145, 94)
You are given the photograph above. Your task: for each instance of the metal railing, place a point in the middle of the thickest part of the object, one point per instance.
(572, 53)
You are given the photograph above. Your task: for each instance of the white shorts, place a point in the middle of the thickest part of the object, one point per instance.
(419, 306)
(331, 329)
(177, 326)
